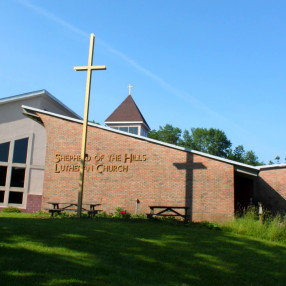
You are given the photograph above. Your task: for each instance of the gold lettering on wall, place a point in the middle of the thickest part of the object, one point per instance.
(96, 163)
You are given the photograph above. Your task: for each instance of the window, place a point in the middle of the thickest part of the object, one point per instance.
(2, 194)
(15, 197)
(3, 174)
(20, 151)
(4, 151)
(17, 177)
(133, 130)
(143, 132)
(125, 129)
(13, 159)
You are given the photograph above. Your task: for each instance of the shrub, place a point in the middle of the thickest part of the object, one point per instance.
(139, 216)
(210, 225)
(266, 227)
(103, 215)
(121, 213)
(11, 210)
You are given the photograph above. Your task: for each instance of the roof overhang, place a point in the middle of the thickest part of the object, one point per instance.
(42, 92)
(239, 166)
(32, 114)
(246, 171)
(274, 166)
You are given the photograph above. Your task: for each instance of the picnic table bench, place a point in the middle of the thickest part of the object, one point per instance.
(72, 207)
(168, 211)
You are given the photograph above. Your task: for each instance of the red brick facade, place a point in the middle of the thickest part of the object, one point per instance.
(34, 203)
(271, 188)
(157, 175)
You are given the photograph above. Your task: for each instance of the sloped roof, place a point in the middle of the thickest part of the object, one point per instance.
(127, 111)
(32, 94)
(30, 112)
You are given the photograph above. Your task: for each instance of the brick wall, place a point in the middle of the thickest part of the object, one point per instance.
(160, 175)
(271, 189)
(34, 203)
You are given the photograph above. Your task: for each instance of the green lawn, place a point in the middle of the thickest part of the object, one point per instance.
(38, 250)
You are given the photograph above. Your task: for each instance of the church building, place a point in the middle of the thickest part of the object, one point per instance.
(23, 149)
(127, 117)
(40, 144)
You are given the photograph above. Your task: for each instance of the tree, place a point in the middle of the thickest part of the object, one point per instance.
(211, 141)
(277, 158)
(251, 159)
(168, 134)
(237, 154)
(187, 140)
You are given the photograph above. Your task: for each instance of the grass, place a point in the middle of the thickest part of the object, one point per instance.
(38, 250)
(272, 228)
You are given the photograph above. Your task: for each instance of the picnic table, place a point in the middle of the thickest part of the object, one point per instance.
(72, 207)
(168, 211)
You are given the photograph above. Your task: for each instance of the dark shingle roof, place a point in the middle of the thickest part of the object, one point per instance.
(127, 111)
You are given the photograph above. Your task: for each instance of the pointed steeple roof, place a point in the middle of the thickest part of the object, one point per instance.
(127, 111)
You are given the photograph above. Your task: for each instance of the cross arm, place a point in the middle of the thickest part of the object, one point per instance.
(90, 67)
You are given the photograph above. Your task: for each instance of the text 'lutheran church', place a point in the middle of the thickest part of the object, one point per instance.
(40, 146)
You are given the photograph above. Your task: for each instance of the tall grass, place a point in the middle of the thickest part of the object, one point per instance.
(266, 227)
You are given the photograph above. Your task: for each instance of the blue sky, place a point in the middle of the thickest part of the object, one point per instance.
(219, 64)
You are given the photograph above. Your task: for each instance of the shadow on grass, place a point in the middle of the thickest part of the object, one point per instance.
(36, 251)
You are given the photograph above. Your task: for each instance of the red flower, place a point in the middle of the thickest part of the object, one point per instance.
(123, 212)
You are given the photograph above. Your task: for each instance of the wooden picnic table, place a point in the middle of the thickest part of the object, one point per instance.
(169, 211)
(72, 207)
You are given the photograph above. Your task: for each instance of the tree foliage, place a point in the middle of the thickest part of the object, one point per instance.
(168, 134)
(277, 160)
(212, 141)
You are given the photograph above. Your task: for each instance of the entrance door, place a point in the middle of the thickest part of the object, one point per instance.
(243, 191)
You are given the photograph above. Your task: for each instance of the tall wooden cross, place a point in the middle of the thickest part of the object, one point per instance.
(89, 68)
(130, 86)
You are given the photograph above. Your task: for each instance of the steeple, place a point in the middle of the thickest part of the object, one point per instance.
(127, 117)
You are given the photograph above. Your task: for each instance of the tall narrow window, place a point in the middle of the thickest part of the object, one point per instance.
(20, 151)
(2, 194)
(3, 175)
(13, 164)
(4, 152)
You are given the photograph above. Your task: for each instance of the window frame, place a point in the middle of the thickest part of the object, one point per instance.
(124, 126)
(10, 165)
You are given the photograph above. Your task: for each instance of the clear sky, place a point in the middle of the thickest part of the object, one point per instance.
(219, 64)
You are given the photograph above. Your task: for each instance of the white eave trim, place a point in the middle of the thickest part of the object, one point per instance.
(22, 96)
(27, 108)
(34, 94)
(274, 166)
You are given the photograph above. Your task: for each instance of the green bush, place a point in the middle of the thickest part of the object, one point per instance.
(210, 225)
(266, 227)
(121, 213)
(11, 210)
(103, 215)
(139, 216)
